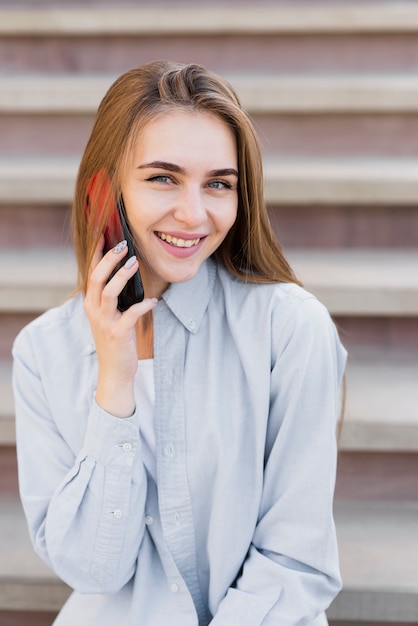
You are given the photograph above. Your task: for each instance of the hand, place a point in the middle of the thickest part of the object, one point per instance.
(114, 332)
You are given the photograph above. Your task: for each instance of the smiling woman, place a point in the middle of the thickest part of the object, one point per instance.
(180, 188)
(186, 453)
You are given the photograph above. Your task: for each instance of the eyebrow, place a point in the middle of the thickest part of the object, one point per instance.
(172, 167)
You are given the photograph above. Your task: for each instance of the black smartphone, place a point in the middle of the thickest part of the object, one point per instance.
(116, 231)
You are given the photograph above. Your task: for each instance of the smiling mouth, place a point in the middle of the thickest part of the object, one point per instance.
(178, 242)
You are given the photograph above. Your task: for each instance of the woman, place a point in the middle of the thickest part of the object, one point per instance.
(177, 459)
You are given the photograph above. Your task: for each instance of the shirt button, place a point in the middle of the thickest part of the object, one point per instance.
(192, 325)
(117, 513)
(174, 588)
(127, 447)
(169, 449)
(149, 520)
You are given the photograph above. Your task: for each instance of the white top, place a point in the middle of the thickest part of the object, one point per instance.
(145, 400)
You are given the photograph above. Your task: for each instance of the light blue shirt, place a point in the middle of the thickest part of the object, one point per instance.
(238, 530)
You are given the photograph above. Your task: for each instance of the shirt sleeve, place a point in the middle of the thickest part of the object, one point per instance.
(85, 512)
(291, 573)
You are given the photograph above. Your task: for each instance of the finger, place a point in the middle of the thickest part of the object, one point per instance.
(130, 317)
(100, 270)
(106, 264)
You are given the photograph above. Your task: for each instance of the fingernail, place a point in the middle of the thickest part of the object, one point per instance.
(155, 300)
(121, 246)
(130, 262)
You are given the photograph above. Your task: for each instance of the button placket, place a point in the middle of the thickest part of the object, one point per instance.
(174, 495)
(169, 377)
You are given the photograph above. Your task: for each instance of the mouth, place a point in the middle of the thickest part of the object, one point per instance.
(178, 242)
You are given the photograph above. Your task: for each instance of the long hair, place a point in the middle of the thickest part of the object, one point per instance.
(250, 250)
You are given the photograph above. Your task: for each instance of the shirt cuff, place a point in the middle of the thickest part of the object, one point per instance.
(111, 440)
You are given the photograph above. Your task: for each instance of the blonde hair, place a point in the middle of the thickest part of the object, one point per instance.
(250, 251)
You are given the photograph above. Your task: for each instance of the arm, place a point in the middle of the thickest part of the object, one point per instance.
(70, 501)
(291, 575)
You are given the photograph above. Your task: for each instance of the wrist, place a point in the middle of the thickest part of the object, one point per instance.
(117, 399)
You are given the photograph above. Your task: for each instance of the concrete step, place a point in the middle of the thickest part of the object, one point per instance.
(10, 325)
(279, 37)
(323, 18)
(359, 282)
(37, 180)
(297, 181)
(379, 181)
(331, 226)
(7, 425)
(27, 618)
(378, 542)
(376, 476)
(36, 279)
(295, 115)
(381, 413)
(378, 546)
(290, 135)
(25, 582)
(27, 226)
(259, 94)
(349, 282)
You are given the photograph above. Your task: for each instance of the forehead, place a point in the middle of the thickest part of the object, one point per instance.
(182, 134)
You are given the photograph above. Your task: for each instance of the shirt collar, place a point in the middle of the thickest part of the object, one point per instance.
(188, 300)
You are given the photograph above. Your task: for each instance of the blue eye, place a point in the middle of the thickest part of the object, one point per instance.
(219, 184)
(161, 178)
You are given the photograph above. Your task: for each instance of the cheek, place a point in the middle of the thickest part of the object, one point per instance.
(230, 216)
(145, 209)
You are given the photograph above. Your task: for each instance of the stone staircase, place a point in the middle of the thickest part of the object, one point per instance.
(333, 91)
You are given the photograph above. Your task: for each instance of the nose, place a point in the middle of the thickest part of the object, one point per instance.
(190, 207)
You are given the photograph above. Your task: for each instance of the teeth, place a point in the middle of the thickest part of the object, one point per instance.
(178, 242)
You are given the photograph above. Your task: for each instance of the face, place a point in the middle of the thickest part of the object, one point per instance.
(180, 190)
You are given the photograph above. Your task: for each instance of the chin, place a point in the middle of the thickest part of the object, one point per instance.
(182, 277)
